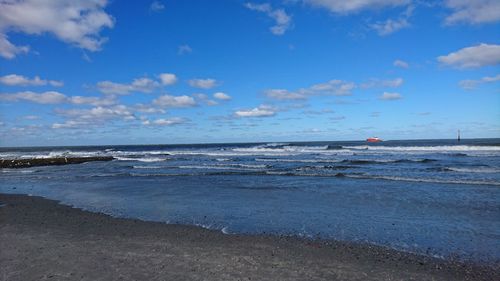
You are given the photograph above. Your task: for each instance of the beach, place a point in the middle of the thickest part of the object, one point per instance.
(43, 240)
(249, 140)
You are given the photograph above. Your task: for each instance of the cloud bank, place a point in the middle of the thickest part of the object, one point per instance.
(77, 22)
(473, 57)
(19, 80)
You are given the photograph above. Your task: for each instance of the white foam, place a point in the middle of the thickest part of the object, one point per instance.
(144, 159)
(254, 166)
(439, 148)
(475, 170)
(207, 167)
(229, 153)
(278, 173)
(51, 154)
(153, 175)
(148, 167)
(225, 230)
(131, 153)
(274, 144)
(14, 170)
(298, 160)
(5, 155)
(285, 149)
(429, 180)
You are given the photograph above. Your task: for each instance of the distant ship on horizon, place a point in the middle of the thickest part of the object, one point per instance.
(373, 139)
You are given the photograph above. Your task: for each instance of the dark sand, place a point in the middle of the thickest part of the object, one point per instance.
(41, 240)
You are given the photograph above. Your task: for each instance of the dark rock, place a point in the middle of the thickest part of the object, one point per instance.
(26, 163)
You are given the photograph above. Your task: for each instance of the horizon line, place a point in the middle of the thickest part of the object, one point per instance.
(220, 143)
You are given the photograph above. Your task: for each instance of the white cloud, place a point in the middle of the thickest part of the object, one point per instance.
(337, 118)
(69, 124)
(108, 87)
(168, 122)
(222, 96)
(401, 63)
(469, 84)
(377, 83)
(174, 101)
(426, 113)
(283, 94)
(157, 6)
(318, 112)
(50, 97)
(390, 26)
(345, 7)
(202, 98)
(86, 57)
(281, 18)
(184, 49)
(147, 109)
(472, 84)
(55, 83)
(98, 114)
(77, 22)
(19, 80)
(31, 117)
(203, 83)
(311, 131)
(29, 130)
(143, 85)
(473, 11)
(167, 79)
(95, 101)
(53, 97)
(390, 96)
(473, 57)
(9, 50)
(332, 87)
(261, 111)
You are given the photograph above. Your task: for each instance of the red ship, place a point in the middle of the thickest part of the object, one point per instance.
(373, 139)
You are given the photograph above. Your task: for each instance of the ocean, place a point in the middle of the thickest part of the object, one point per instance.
(434, 197)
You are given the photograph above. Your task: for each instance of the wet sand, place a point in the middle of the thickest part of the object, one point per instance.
(43, 240)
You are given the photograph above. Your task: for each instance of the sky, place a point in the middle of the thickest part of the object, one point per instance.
(75, 72)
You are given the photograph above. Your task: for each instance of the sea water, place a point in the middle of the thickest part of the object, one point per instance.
(434, 197)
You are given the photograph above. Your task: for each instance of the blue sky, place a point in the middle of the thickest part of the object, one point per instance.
(127, 72)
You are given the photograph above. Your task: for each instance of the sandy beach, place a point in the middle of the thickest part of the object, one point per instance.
(249, 140)
(41, 240)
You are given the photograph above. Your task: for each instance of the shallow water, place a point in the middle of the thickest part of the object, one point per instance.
(440, 198)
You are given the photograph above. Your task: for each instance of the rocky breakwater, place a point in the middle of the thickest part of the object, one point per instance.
(26, 163)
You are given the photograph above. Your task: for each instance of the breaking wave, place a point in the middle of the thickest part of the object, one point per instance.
(428, 180)
(140, 159)
(487, 170)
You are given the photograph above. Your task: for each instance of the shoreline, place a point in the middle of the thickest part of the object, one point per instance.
(41, 239)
